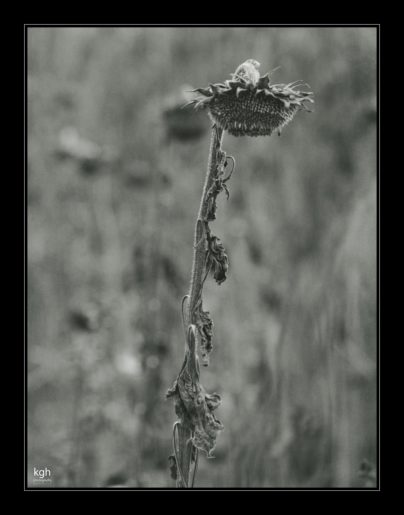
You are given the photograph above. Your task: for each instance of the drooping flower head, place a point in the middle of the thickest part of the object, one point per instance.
(250, 104)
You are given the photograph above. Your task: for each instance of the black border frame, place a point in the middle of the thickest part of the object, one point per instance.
(26, 488)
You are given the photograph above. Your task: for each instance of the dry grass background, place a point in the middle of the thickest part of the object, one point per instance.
(110, 247)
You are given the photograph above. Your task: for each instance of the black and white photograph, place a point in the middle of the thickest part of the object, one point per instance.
(201, 258)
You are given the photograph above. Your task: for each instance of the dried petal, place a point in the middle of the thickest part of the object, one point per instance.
(204, 324)
(217, 260)
(193, 406)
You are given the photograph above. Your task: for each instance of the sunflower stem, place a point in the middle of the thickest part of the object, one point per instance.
(198, 262)
(185, 446)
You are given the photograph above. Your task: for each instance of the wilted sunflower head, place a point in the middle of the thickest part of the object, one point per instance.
(249, 104)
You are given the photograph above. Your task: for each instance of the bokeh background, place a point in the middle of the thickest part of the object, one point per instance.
(115, 173)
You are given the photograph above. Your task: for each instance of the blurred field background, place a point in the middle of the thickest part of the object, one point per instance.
(115, 173)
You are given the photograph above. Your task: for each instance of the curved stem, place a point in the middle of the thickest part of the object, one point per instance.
(198, 263)
(185, 446)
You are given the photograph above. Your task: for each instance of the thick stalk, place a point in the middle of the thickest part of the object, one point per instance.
(198, 263)
(195, 292)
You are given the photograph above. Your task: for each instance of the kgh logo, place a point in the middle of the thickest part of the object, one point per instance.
(42, 473)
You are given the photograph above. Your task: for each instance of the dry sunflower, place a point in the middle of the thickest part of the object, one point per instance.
(249, 104)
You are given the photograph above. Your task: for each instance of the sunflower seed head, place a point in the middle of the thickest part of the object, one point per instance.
(250, 105)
